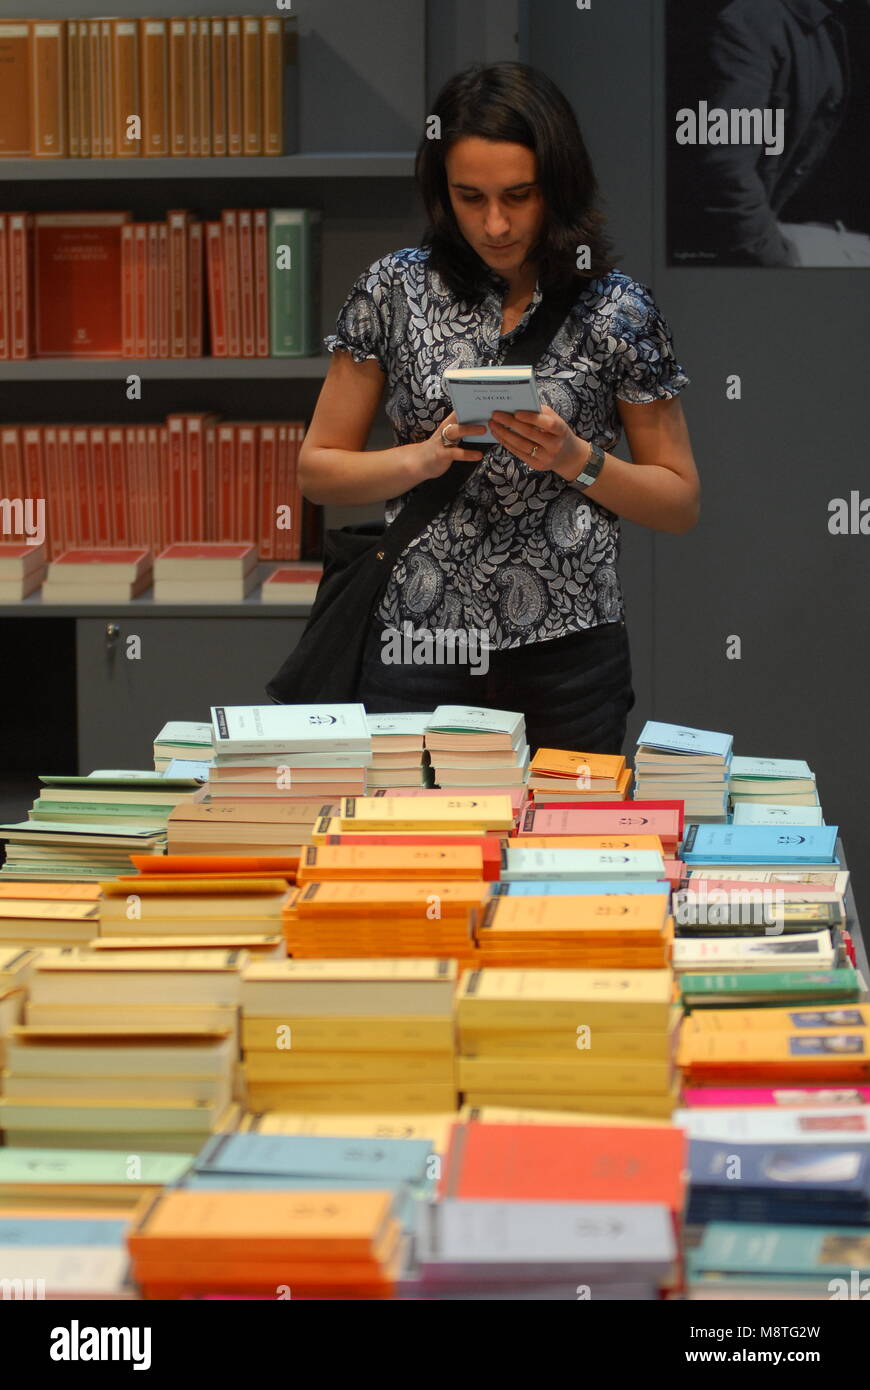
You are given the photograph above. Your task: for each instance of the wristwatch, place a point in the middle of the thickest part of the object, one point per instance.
(591, 468)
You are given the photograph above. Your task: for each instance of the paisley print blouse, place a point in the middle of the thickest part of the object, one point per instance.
(519, 553)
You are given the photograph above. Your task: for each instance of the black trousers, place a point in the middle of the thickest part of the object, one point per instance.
(575, 691)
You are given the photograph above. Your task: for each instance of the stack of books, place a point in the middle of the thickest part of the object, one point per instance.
(315, 1243)
(471, 747)
(289, 752)
(614, 931)
(292, 584)
(128, 800)
(691, 765)
(98, 576)
(772, 781)
(349, 1036)
(559, 777)
(424, 919)
(397, 750)
(90, 1182)
(781, 1183)
(22, 569)
(182, 740)
(48, 914)
(775, 1047)
(204, 572)
(215, 910)
(521, 1044)
(49, 850)
(752, 1260)
(245, 827)
(64, 1256)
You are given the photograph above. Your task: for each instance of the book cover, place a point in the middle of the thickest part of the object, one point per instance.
(246, 282)
(294, 272)
(125, 77)
(154, 39)
(232, 281)
(234, 87)
(48, 89)
(760, 844)
(179, 293)
(95, 67)
(475, 392)
(218, 70)
(20, 227)
(85, 79)
(15, 89)
(252, 87)
(261, 282)
(674, 738)
(179, 135)
(203, 43)
(288, 728)
(195, 290)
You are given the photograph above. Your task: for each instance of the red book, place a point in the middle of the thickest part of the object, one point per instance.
(246, 282)
(268, 464)
(78, 284)
(247, 489)
(195, 290)
(140, 456)
(210, 480)
(20, 283)
(216, 295)
(135, 562)
(153, 290)
(211, 550)
(67, 486)
(280, 535)
(178, 283)
(565, 1163)
(230, 226)
(4, 289)
(140, 288)
(152, 496)
(297, 502)
(194, 426)
(53, 491)
(164, 496)
(12, 462)
(81, 448)
(34, 467)
(163, 290)
(177, 480)
(100, 474)
(134, 483)
(128, 299)
(261, 280)
(120, 478)
(225, 528)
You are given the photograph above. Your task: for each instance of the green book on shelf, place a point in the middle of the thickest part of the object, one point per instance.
(294, 279)
(95, 810)
(773, 987)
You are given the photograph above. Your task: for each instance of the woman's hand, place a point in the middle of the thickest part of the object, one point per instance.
(541, 440)
(433, 457)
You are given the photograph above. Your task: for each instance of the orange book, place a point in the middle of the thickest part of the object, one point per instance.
(205, 865)
(248, 482)
(297, 501)
(78, 284)
(132, 475)
(266, 491)
(218, 68)
(234, 86)
(85, 84)
(128, 298)
(5, 345)
(177, 483)
(323, 863)
(95, 68)
(15, 89)
(194, 427)
(252, 86)
(210, 479)
(273, 85)
(48, 89)
(67, 485)
(232, 282)
(225, 528)
(73, 89)
(119, 478)
(588, 842)
(823, 1054)
(246, 281)
(163, 325)
(51, 892)
(125, 76)
(209, 885)
(559, 762)
(140, 287)
(179, 138)
(216, 298)
(154, 43)
(203, 46)
(165, 503)
(194, 90)
(414, 901)
(261, 281)
(81, 449)
(178, 282)
(107, 76)
(194, 290)
(102, 532)
(153, 299)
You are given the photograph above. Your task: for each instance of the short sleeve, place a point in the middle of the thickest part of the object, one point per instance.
(363, 324)
(646, 367)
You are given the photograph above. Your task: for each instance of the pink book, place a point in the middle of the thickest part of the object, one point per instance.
(211, 550)
(739, 1096)
(580, 820)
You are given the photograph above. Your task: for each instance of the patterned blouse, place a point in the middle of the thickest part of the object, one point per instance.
(519, 553)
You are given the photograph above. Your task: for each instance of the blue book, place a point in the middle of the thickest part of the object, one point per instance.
(676, 738)
(760, 844)
(323, 1156)
(569, 888)
(815, 1176)
(64, 1230)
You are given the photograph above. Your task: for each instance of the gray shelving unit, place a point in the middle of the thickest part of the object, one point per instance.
(167, 369)
(398, 165)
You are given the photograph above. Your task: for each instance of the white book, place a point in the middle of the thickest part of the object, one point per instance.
(774, 1124)
(524, 864)
(290, 728)
(408, 722)
(65, 1271)
(475, 392)
(470, 719)
(769, 767)
(771, 813)
(800, 951)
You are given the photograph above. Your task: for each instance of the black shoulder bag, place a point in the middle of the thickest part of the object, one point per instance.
(326, 663)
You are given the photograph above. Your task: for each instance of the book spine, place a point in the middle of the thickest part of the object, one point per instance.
(84, 488)
(261, 281)
(48, 89)
(53, 492)
(119, 486)
(178, 257)
(74, 89)
(210, 481)
(34, 465)
(85, 81)
(226, 463)
(127, 94)
(195, 286)
(163, 289)
(178, 40)
(140, 242)
(234, 87)
(252, 89)
(216, 296)
(95, 67)
(4, 288)
(153, 288)
(204, 50)
(10, 456)
(131, 480)
(16, 61)
(108, 78)
(272, 40)
(268, 462)
(153, 491)
(100, 474)
(218, 87)
(280, 536)
(155, 87)
(246, 282)
(67, 486)
(20, 271)
(297, 501)
(194, 91)
(177, 517)
(128, 299)
(229, 223)
(247, 484)
(194, 449)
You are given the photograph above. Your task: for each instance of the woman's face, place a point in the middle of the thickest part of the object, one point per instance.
(496, 200)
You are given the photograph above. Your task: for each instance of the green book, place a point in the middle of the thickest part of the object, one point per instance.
(774, 987)
(37, 1166)
(779, 1250)
(96, 810)
(294, 281)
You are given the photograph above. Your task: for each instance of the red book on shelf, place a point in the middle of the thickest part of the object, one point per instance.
(195, 291)
(194, 448)
(67, 485)
(261, 280)
(153, 289)
(177, 479)
(81, 448)
(297, 501)
(165, 499)
(128, 298)
(230, 225)
(4, 289)
(225, 528)
(140, 288)
(53, 492)
(281, 537)
(100, 474)
(211, 550)
(246, 282)
(152, 501)
(77, 283)
(120, 477)
(216, 293)
(178, 282)
(210, 480)
(266, 492)
(247, 482)
(34, 464)
(163, 290)
(20, 234)
(143, 536)
(11, 465)
(131, 472)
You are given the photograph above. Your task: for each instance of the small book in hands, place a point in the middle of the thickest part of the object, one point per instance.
(477, 391)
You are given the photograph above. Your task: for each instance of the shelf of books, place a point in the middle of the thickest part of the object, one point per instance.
(513, 1025)
(349, 165)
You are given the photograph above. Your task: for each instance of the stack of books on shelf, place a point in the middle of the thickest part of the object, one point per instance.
(689, 764)
(398, 749)
(296, 584)
(22, 568)
(214, 910)
(204, 86)
(204, 572)
(471, 747)
(558, 776)
(773, 781)
(426, 919)
(349, 1036)
(183, 741)
(114, 575)
(48, 914)
(520, 1042)
(263, 269)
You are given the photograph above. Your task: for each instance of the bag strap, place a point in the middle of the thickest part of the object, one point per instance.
(432, 496)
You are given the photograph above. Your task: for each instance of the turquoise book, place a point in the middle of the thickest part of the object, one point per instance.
(308, 1155)
(55, 1231)
(769, 767)
(771, 813)
(760, 844)
(572, 888)
(792, 1250)
(591, 864)
(294, 280)
(675, 738)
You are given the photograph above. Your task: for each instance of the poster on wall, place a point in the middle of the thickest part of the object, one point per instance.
(768, 133)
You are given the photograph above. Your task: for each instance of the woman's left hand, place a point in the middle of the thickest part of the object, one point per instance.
(541, 440)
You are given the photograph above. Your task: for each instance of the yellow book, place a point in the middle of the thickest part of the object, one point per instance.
(327, 826)
(578, 1073)
(469, 813)
(348, 1034)
(657, 1107)
(229, 939)
(840, 1017)
(434, 1127)
(362, 1097)
(289, 1067)
(399, 862)
(616, 1000)
(522, 1044)
(588, 842)
(496, 1115)
(361, 988)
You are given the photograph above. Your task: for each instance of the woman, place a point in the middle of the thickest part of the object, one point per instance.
(525, 556)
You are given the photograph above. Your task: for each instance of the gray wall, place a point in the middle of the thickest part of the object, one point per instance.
(761, 564)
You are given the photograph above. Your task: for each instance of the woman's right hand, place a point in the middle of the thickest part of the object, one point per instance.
(433, 457)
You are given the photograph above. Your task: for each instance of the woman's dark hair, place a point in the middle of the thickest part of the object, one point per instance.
(517, 104)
